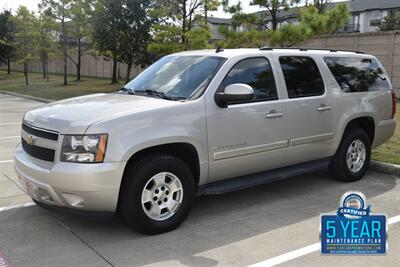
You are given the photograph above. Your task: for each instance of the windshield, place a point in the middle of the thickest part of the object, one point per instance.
(176, 77)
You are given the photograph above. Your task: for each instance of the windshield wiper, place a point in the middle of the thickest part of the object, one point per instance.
(155, 93)
(147, 92)
(126, 90)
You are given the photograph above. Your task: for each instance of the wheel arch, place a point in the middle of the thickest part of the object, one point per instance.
(366, 123)
(185, 151)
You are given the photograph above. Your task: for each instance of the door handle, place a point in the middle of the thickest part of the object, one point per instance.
(324, 107)
(274, 114)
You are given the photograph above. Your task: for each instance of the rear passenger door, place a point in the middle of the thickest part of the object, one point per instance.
(310, 110)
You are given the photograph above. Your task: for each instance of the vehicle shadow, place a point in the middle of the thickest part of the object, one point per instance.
(224, 219)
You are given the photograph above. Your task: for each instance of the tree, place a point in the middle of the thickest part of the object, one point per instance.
(245, 30)
(181, 25)
(239, 18)
(167, 39)
(26, 35)
(47, 47)
(79, 29)
(198, 38)
(186, 13)
(391, 22)
(311, 23)
(136, 34)
(273, 7)
(336, 17)
(61, 11)
(108, 27)
(7, 30)
(251, 38)
(178, 12)
(321, 5)
(210, 5)
(289, 35)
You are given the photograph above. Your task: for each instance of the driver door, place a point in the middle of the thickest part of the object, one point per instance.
(251, 136)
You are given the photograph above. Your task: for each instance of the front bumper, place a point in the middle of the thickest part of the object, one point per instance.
(80, 186)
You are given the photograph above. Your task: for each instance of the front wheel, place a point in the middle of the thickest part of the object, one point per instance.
(352, 158)
(157, 194)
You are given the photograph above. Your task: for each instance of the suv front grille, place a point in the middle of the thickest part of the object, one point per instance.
(38, 152)
(43, 145)
(39, 133)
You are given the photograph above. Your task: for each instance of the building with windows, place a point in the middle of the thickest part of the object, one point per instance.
(214, 24)
(365, 16)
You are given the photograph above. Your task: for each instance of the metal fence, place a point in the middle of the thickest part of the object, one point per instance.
(91, 66)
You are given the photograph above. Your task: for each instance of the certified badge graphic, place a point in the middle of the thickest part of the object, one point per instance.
(353, 229)
(353, 205)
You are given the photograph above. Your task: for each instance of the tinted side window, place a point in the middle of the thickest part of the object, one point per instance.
(357, 74)
(302, 76)
(257, 73)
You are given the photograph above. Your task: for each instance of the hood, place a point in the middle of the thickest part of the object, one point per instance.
(75, 115)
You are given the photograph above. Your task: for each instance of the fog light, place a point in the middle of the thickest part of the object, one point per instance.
(74, 200)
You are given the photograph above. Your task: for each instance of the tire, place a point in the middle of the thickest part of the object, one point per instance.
(144, 180)
(355, 169)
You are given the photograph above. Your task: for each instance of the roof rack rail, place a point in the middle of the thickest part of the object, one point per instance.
(219, 49)
(267, 48)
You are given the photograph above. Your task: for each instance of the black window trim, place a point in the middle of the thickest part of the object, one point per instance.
(201, 92)
(320, 73)
(251, 101)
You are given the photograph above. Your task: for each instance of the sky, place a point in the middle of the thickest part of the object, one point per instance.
(32, 5)
(14, 4)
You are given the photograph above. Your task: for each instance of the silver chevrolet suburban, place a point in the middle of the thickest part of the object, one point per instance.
(206, 122)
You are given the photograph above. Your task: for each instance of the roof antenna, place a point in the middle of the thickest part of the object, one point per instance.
(219, 49)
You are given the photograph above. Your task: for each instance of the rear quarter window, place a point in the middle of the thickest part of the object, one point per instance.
(357, 74)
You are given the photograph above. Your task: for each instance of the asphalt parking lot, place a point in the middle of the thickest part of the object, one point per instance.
(274, 224)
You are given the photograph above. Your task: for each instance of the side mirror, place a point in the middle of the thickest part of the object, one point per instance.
(238, 92)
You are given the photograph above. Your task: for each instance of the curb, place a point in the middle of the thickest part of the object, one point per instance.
(40, 99)
(384, 167)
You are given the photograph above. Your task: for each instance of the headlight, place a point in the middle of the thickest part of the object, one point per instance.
(84, 148)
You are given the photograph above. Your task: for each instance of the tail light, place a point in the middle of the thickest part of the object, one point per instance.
(394, 102)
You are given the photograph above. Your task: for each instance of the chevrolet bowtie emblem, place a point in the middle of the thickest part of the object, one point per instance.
(31, 140)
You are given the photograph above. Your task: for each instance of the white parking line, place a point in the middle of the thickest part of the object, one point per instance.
(10, 114)
(289, 256)
(303, 251)
(5, 161)
(10, 137)
(17, 206)
(394, 219)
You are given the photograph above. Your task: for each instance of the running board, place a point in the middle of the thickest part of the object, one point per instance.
(252, 180)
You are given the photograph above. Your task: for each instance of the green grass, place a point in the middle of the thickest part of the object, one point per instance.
(390, 151)
(54, 89)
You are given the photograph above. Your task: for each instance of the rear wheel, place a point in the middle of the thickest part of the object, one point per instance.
(157, 194)
(352, 158)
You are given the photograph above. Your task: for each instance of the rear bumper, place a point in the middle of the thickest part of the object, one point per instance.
(383, 131)
(85, 187)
